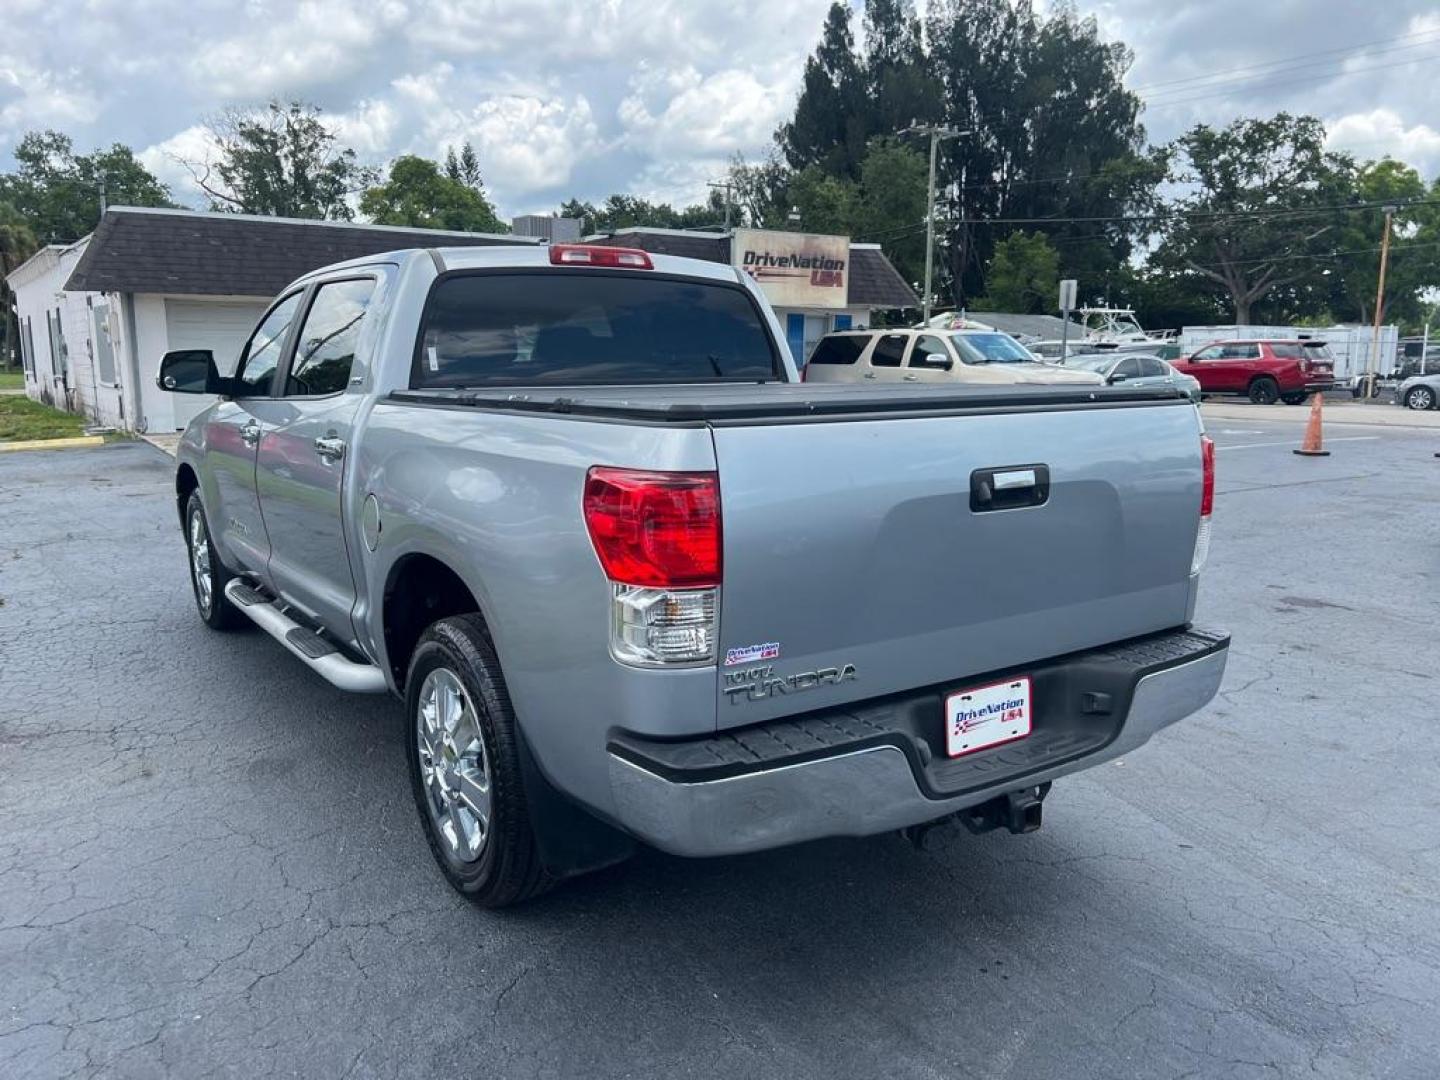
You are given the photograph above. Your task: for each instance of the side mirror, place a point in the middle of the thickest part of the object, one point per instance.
(938, 361)
(190, 371)
(1117, 377)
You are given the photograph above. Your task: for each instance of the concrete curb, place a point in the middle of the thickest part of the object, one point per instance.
(74, 442)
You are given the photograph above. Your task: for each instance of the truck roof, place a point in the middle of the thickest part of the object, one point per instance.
(477, 258)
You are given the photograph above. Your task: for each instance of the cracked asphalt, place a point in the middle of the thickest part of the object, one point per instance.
(210, 865)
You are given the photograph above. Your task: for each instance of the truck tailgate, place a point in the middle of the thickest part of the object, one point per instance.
(854, 544)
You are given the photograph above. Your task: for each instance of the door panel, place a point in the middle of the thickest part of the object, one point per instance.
(233, 431)
(301, 469)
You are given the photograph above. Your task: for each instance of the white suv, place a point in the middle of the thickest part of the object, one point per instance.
(932, 355)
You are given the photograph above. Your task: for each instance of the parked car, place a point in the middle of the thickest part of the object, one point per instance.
(1264, 371)
(1135, 370)
(1419, 392)
(933, 356)
(633, 586)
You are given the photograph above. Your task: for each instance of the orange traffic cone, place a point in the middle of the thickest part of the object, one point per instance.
(1310, 446)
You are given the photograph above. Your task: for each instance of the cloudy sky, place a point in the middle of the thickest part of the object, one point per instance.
(588, 97)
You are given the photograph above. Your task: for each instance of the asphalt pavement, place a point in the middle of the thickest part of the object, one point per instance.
(210, 864)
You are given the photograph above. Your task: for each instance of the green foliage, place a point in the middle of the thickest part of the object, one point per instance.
(17, 243)
(628, 211)
(21, 418)
(466, 168)
(1024, 274)
(280, 160)
(1413, 264)
(1279, 164)
(57, 191)
(417, 193)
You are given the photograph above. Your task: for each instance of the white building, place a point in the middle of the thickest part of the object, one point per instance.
(96, 315)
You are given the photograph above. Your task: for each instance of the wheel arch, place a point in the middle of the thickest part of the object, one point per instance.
(420, 588)
(186, 483)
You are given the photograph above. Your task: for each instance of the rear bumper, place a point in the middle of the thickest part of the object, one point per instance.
(1316, 385)
(869, 769)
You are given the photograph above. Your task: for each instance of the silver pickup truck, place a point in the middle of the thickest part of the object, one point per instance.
(633, 581)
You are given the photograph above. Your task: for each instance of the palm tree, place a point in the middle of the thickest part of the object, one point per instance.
(17, 243)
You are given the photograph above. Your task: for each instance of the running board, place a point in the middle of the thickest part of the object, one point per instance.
(314, 651)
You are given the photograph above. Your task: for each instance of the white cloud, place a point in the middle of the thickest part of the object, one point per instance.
(280, 49)
(1381, 131)
(166, 160)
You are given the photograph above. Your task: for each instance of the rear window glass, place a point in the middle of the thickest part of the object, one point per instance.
(839, 350)
(577, 327)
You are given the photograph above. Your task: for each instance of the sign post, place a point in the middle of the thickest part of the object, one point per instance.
(1068, 289)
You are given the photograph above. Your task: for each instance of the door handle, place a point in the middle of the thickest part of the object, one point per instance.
(912, 378)
(869, 375)
(250, 433)
(329, 447)
(1009, 487)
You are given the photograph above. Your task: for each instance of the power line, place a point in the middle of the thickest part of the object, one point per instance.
(1289, 82)
(1285, 62)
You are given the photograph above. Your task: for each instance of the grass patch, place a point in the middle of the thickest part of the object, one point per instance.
(21, 418)
(12, 380)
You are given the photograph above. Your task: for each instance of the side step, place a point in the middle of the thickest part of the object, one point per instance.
(318, 654)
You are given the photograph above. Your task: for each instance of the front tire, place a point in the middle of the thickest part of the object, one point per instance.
(462, 744)
(1420, 397)
(208, 576)
(1264, 391)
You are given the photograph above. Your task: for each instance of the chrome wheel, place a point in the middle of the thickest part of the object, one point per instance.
(200, 563)
(454, 768)
(1421, 397)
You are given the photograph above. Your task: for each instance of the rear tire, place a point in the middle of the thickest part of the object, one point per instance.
(1264, 391)
(208, 576)
(1294, 399)
(462, 745)
(1420, 397)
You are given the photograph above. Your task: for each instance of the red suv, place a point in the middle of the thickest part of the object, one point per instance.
(1264, 371)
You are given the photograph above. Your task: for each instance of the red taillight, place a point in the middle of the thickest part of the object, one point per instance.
(585, 255)
(1207, 484)
(656, 529)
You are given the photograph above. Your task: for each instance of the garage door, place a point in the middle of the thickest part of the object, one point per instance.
(218, 325)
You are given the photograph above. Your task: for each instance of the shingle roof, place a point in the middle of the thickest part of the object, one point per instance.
(1040, 326)
(207, 254)
(874, 282)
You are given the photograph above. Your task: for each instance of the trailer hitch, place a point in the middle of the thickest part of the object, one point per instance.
(1018, 811)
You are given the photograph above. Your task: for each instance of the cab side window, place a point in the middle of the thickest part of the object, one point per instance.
(1129, 368)
(325, 346)
(889, 351)
(930, 352)
(1214, 352)
(261, 354)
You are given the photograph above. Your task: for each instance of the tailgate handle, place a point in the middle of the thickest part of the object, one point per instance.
(1009, 487)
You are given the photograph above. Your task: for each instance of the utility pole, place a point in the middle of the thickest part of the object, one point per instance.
(1374, 360)
(936, 133)
(727, 187)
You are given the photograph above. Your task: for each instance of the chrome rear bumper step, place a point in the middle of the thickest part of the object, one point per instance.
(314, 651)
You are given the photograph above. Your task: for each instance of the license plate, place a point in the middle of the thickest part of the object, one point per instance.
(984, 716)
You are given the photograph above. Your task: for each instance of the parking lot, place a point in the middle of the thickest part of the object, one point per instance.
(210, 864)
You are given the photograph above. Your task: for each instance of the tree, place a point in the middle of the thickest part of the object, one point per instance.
(280, 160)
(1259, 215)
(418, 194)
(466, 168)
(1024, 274)
(826, 203)
(57, 192)
(1051, 133)
(629, 211)
(893, 180)
(829, 127)
(1413, 266)
(17, 243)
